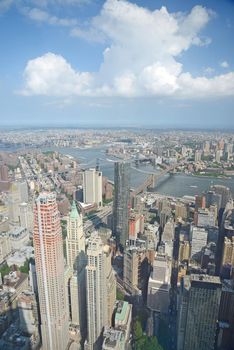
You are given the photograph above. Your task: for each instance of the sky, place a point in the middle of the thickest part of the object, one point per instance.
(143, 63)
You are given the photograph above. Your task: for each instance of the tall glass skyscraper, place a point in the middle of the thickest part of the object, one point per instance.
(198, 312)
(121, 201)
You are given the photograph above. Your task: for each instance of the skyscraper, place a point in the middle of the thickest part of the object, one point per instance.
(93, 187)
(198, 312)
(121, 200)
(49, 260)
(75, 241)
(101, 290)
(76, 261)
(226, 228)
(199, 241)
(158, 296)
(228, 257)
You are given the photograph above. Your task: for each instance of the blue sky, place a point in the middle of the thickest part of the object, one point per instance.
(134, 63)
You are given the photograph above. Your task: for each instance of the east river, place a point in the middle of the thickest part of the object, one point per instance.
(176, 185)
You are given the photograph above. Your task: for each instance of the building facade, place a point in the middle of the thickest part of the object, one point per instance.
(92, 191)
(121, 201)
(49, 261)
(198, 312)
(101, 290)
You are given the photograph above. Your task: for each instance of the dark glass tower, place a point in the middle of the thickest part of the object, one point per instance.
(121, 200)
(198, 312)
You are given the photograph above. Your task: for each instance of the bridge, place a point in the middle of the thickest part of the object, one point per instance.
(153, 178)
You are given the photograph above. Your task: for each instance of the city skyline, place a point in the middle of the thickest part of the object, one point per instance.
(139, 255)
(186, 82)
(116, 175)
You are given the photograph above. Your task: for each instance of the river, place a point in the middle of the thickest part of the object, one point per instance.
(176, 185)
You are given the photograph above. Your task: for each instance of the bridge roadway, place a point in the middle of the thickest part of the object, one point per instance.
(153, 177)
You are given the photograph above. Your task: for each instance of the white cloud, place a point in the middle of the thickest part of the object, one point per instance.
(52, 75)
(39, 15)
(220, 85)
(141, 57)
(224, 64)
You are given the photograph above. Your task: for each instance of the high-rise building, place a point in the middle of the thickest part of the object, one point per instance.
(197, 155)
(136, 268)
(226, 229)
(228, 257)
(199, 241)
(159, 285)
(76, 261)
(184, 249)
(136, 225)
(213, 198)
(206, 217)
(225, 339)
(224, 192)
(92, 191)
(121, 201)
(75, 241)
(101, 290)
(181, 210)
(200, 202)
(48, 245)
(26, 216)
(198, 312)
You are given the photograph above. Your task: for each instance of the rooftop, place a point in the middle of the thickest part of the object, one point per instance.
(121, 310)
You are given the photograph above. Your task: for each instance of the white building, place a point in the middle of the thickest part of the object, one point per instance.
(158, 297)
(207, 217)
(26, 216)
(75, 241)
(199, 240)
(101, 290)
(76, 261)
(92, 190)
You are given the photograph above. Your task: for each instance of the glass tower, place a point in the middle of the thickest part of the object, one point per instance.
(121, 200)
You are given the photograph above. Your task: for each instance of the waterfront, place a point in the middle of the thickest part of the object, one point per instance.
(176, 185)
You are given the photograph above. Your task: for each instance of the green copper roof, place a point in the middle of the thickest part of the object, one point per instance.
(74, 212)
(121, 312)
